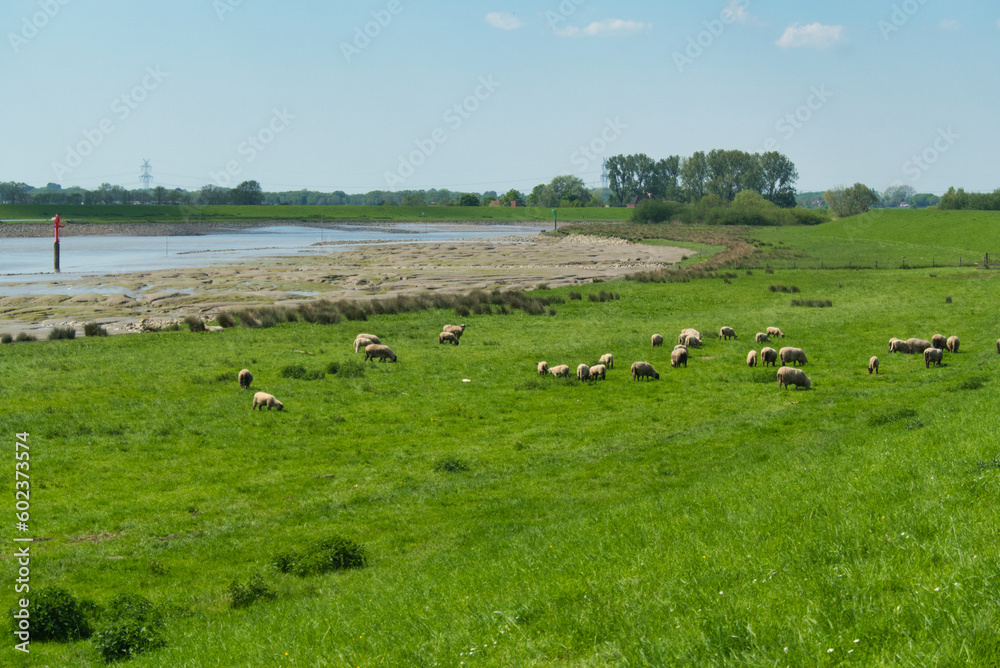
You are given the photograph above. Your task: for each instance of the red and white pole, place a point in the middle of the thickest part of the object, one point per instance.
(58, 225)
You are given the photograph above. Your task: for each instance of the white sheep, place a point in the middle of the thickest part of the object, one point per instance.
(561, 371)
(692, 341)
(657, 340)
(607, 360)
(447, 337)
(679, 357)
(362, 342)
(761, 337)
(685, 333)
(939, 341)
(752, 358)
(953, 344)
(727, 333)
(245, 378)
(644, 370)
(898, 346)
(933, 356)
(262, 399)
(543, 368)
(792, 355)
(457, 330)
(768, 356)
(583, 372)
(873, 366)
(774, 331)
(598, 371)
(918, 345)
(370, 337)
(379, 352)
(790, 376)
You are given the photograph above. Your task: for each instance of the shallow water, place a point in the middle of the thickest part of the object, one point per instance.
(30, 261)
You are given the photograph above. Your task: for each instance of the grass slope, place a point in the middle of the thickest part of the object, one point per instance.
(195, 214)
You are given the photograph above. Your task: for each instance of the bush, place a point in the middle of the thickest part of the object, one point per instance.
(782, 288)
(61, 333)
(348, 369)
(575, 295)
(56, 615)
(243, 595)
(130, 626)
(652, 211)
(225, 319)
(322, 556)
(299, 372)
(195, 323)
(813, 303)
(94, 329)
(451, 465)
(23, 337)
(6, 338)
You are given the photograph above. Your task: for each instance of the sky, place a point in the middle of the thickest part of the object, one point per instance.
(476, 96)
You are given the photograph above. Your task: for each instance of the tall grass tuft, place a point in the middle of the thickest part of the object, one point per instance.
(62, 333)
(194, 323)
(94, 329)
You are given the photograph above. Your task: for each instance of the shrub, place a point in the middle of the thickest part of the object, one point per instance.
(129, 626)
(451, 465)
(575, 295)
(782, 288)
(299, 372)
(60, 333)
(226, 319)
(349, 369)
(56, 615)
(243, 595)
(322, 556)
(813, 303)
(195, 323)
(6, 338)
(24, 336)
(94, 329)
(652, 211)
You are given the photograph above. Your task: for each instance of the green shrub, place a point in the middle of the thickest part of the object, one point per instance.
(56, 615)
(62, 333)
(6, 338)
(322, 556)
(130, 625)
(813, 303)
(243, 595)
(575, 295)
(194, 323)
(94, 329)
(226, 319)
(299, 372)
(652, 211)
(23, 337)
(348, 369)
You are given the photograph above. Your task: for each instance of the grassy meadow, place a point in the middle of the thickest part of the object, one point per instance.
(707, 518)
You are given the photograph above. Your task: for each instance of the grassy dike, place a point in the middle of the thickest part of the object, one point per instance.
(707, 518)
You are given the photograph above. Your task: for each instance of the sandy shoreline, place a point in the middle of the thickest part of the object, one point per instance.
(368, 272)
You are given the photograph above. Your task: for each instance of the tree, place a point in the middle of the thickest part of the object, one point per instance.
(893, 196)
(534, 199)
(414, 199)
(694, 176)
(512, 195)
(468, 199)
(630, 176)
(247, 193)
(488, 197)
(778, 176)
(209, 194)
(568, 190)
(733, 171)
(160, 195)
(852, 201)
(924, 200)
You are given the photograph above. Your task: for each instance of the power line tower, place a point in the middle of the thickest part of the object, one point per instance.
(605, 180)
(147, 175)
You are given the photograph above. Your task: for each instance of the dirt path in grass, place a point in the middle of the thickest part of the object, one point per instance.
(122, 301)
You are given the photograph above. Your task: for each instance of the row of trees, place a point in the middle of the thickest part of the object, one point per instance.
(959, 200)
(248, 192)
(722, 173)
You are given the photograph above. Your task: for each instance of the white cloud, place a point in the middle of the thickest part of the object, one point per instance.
(814, 35)
(606, 28)
(504, 21)
(737, 9)
(949, 24)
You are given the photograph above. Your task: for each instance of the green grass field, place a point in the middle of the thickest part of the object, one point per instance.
(707, 518)
(209, 214)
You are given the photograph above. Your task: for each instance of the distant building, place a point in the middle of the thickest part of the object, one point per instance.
(495, 202)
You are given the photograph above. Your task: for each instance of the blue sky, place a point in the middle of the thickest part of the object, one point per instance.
(477, 96)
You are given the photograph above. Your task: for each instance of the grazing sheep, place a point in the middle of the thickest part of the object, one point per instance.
(679, 357)
(768, 356)
(382, 353)
(543, 368)
(761, 338)
(447, 337)
(657, 340)
(918, 345)
(692, 341)
(939, 341)
(726, 333)
(361, 342)
(262, 399)
(685, 333)
(795, 355)
(898, 346)
(774, 331)
(370, 337)
(607, 360)
(681, 346)
(457, 330)
(752, 358)
(583, 372)
(789, 376)
(598, 371)
(245, 378)
(953, 344)
(644, 370)
(873, 366)
(933, 356)
(561, 371)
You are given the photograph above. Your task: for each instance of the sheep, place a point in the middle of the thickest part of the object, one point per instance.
(361, 342)
(998, 345)
(457, 330)
(681, 346)
(543, 368)
(382, 353)
(644, 370)
(795, 355)
(774, 331)
(768, 356)
(561, 371)
(726, 333)
(789, 376)
(953, 344)
(918, 345)
(245, 378)
(685, 333)
(752, 358)
(898, 346)
(447, 337)
(761, 338)
(583, 372)
(933, 356)
(607, 360)
(692, 341)
(657, 340)
(939, 341)
(679, 357)
(598, 371)
(262, 399)
(371, 337)
(873, 366)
